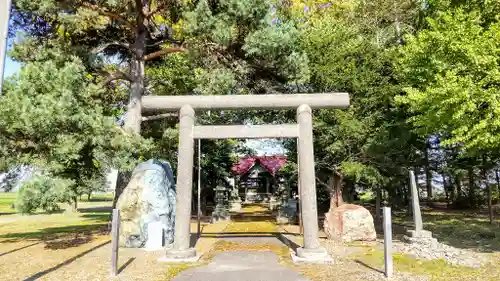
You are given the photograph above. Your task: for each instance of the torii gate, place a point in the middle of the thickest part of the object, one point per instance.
(303, 131)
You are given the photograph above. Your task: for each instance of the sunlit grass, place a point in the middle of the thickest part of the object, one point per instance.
(7, 199)
(437, 270)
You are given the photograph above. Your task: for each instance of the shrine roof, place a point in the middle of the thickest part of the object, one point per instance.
(272, 164)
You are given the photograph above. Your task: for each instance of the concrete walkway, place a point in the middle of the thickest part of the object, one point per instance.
(242, 266)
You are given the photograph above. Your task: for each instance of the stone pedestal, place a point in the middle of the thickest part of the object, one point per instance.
(287, 212)
(273, 204)
(220, 215)
(315, 255)
(422, 237)
(235, 206)
(180, 256)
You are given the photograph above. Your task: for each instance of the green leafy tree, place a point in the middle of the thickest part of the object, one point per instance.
(451, 73)
(43, 192)
(350, 47)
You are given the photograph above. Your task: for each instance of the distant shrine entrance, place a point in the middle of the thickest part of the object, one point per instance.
(302, 131)
(258, 178)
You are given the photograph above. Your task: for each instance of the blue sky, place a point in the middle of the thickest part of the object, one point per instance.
(11, 67)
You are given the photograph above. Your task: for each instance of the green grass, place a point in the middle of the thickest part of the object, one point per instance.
(98, 197)
(6, 201)
(92, 218)
(437, 270)
(465, 230)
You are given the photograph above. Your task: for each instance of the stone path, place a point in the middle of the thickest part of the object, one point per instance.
(242, 266)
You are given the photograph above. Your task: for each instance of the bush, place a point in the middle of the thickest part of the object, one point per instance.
(366, 196)
(42, 192)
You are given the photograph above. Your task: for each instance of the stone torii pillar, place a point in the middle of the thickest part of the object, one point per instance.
(188, 132)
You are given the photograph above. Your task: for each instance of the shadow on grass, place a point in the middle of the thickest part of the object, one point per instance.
(129, 261)
(104, 209)
(252, 218)
(368, 266)
(47, 271)
(18, 249)
(252, 235)
(59, 237)
(464, 230)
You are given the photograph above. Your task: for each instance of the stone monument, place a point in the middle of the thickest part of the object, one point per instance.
(348, 222)
(418, 235)
(147, 204)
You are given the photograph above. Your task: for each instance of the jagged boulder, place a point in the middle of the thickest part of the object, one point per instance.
(348, 223)
(149, 197)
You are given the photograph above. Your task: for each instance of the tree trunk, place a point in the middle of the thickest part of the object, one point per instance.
(121, 182)
(488, 187)
(335, 190)
(458, 182)
(497, 176)
(490, 203)
(133, 115)
(88, 196)
(378, 201)
(445, 187)
(472, 187)
(428, 175)
(75, 204)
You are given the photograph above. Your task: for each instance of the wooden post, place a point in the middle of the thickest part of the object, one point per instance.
(199, 188)
(115, 238)
(388, 242)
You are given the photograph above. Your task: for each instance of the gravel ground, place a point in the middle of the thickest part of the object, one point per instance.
(32, 260)
(344, 268)
(451, 255)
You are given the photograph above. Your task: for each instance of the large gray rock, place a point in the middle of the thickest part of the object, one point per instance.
(149, 197)
(348, 223)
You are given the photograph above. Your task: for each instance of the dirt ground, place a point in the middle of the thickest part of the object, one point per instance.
(77, 247)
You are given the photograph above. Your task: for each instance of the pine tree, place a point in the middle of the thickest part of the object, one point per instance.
(53, 118)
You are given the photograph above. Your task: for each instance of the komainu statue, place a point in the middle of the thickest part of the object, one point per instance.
(148, 197)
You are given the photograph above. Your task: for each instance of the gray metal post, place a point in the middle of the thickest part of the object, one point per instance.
(307, 179)
(184, 186)
(388, 242)
(115, 239)
(199, 187)
(4, 29)
(417, 216)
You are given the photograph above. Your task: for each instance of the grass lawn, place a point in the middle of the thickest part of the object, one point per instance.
(460, 229)
(6, 201)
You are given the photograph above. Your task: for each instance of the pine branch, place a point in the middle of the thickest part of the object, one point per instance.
(156, 10)
(165, 40)
(103, 47)
(163, 52)
(160, 116)
(322, 183)
(118, 75)
(104, 12)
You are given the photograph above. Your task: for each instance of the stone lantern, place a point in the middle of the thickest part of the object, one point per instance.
(221, 212)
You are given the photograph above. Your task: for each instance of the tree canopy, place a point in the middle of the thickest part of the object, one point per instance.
(422, 77)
